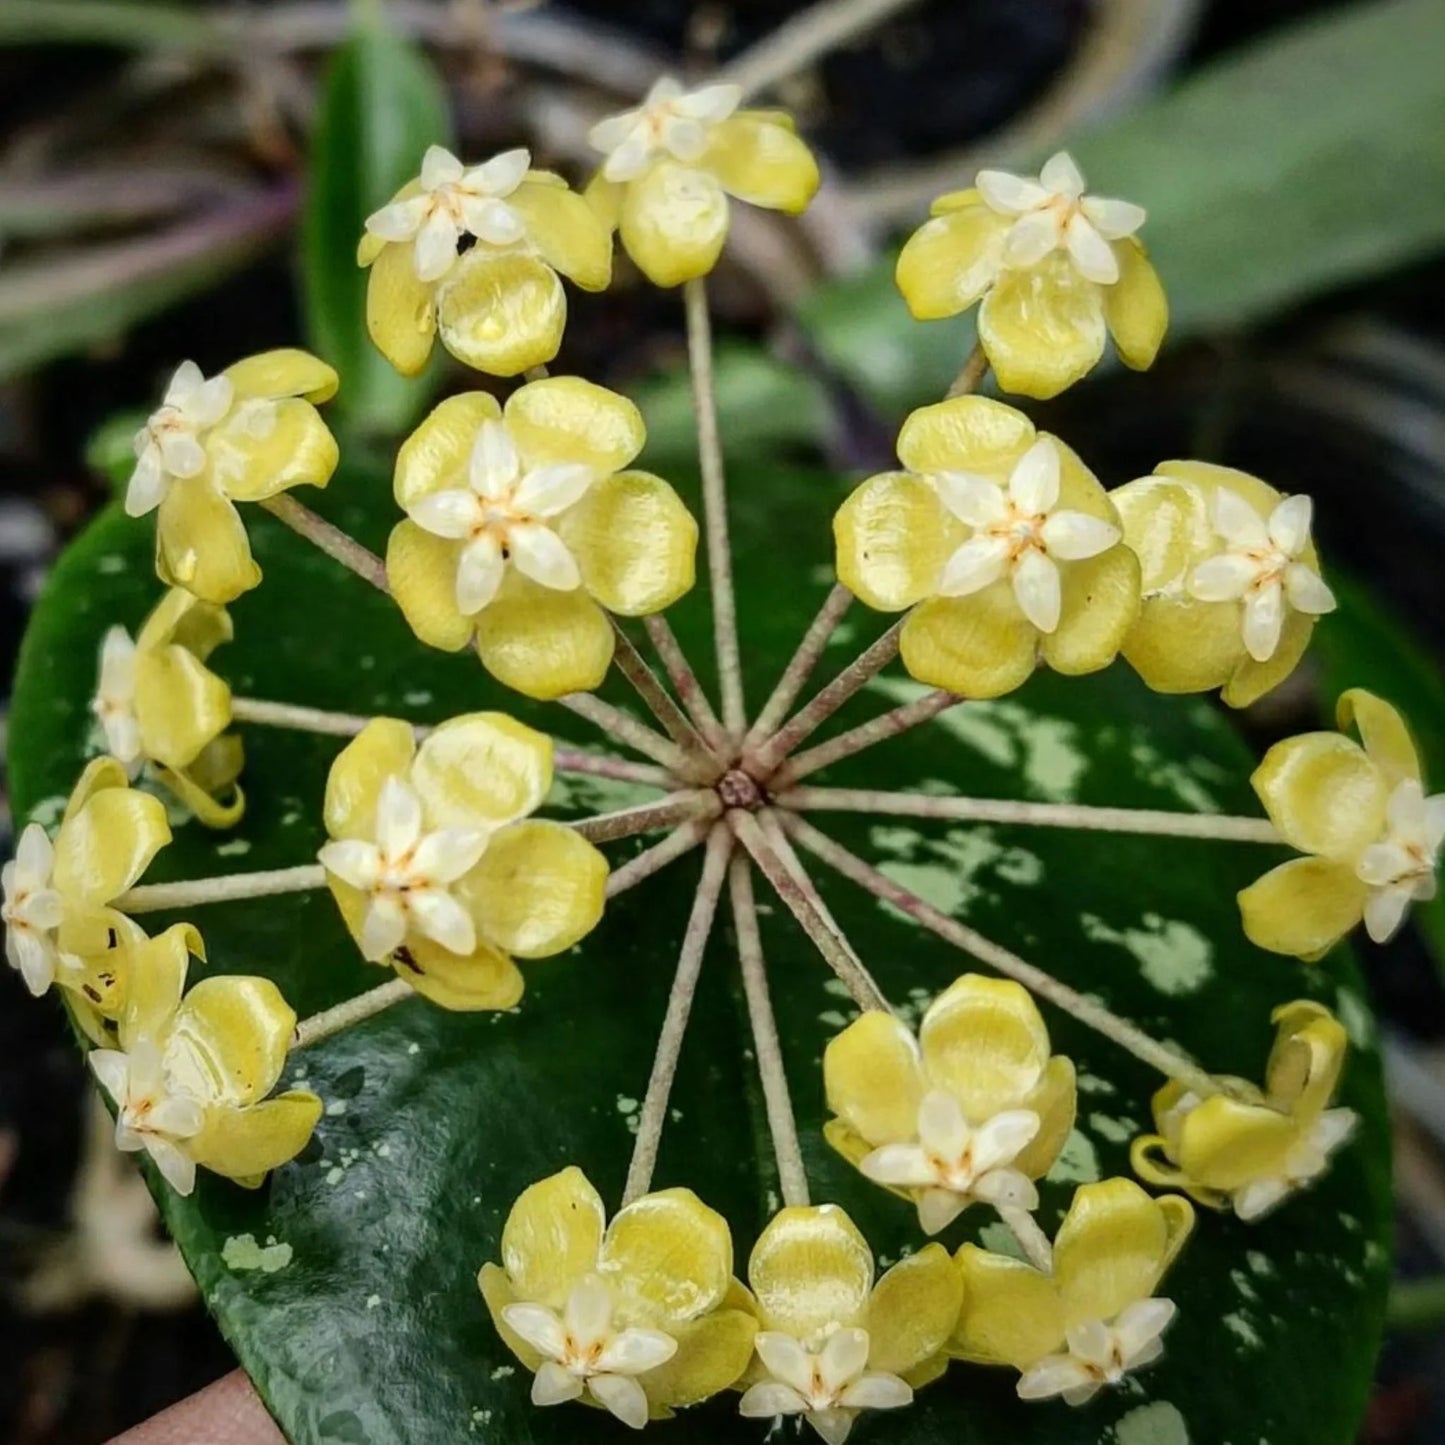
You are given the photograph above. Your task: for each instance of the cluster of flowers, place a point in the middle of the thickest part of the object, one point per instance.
(525, 526)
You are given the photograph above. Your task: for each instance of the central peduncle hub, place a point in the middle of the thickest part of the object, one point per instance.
(738, 790)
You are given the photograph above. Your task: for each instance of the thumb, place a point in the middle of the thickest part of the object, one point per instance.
(226, 1413)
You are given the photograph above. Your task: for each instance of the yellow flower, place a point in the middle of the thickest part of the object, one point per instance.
(60, 926)
(1231, 580)
(157, 702)
(1055, 269)
(190, 1078)
(245, 435)
(523, 524)
(1001, 542)
(1095, 1318)
(1251, 1151)
(637, 1316)
(436, 867)
(831, 1343)
(973, 1109)
(1362, 815)
(673, 162)
(499, 304)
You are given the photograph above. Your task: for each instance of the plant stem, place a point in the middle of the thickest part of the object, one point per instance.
(865, 735)
(153, 897)
(624, 728)
(1047, 815)
(714, 502)
(801, 666)
(834, 948)
(348, 724)
(684, 680)
(1160, 1056)
(798, 42)
(782, 1124)
(973, 370)
(824, 704)
(633, 666)
(667, 812)
(331, 540)
(1032, 1240)
(353, 1011)
(679, 1006)
(677, 843)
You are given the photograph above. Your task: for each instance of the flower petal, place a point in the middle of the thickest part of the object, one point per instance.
(872, 1075)
(501, 313)
(400, 309)
(1042, 328)
(984, 1040)
(567, 232)
(950, 261)
(1303, 907)
(980, 646)
(1382, 731)
(422, 572)
(1307, 1059)
(538, 889)
(1090, 252)
(382, 749)
(1226, 1144)
(713, 1351)
(481, 981)
(1054, 1100)
(552, 1237)
(811, 1268)
(1136, 309)
(154, 971)
(564, 420)
(539, 553)
(201, 543)
(1038, 590)
(893, 538)
(180, 705)
(1009, 194)
(965, 434)
(761, 162)
(1076, 536)
(286, 371)
(1099, 606)
(108, 840)
(437, 455)
(912, 1311)
(667, 1257)
(673, 223)
(1323, 794)
(1011, 1314)
(229, 1040)
(481, 770)
(1251, 680)
(245, 1144)
(267, 447)
(544, 643)
(977, 564)
(496, 1290)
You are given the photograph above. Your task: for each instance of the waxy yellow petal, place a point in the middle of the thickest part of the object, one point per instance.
(286, 371)
(154, 979)
(913, 1310)
(421, 570)
(1307, 1059)
(436, 455)
(544, 643)
(1055, 1101)
(1101, 604)
(667, 1257)
(1226, 1143)
(201, 542)
(229, 1039)
(893, 537)
(984, 1041)
(635, 543)
(1135, 306)
(811, 1268)
(673, 222)
(501, 314)
(498, 1293)
(567, 232)
(712, 1353)
(1323, 794)
(873, 1078)
(180, 704)
(761, 162)
(949, 262)
(207, 808)
(539, 889)
(1042, 328)
(564, 419)
(1251, 680)
(552, 1237)
(294, 449)
(109, 840)
(1011, 1314)
(1382, 731)
(401, 316)
(978, 647)
(1303, 907)
(965, 434)
(383, 749)
(245, 1144)
(479, 982)
(482, 770)
(182, 618)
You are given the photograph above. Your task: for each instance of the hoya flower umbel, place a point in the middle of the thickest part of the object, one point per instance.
(60, 925)
(191, 1075)
(436, 866)
(243, 436)
(525, 522)
(973, 1109)
(1231, 580)
(1056, 270)
(1095, 1317)
(1249, 1151)
(831, 1342)
(635, 1315)
(1000, 544)
(157, 702)
(1360, 814)
(672, 163)
(475, 252)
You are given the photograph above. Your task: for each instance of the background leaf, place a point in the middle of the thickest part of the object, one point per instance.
(382, 104)
(364, 1324)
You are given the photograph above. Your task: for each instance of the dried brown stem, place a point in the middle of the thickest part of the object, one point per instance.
(972, 372)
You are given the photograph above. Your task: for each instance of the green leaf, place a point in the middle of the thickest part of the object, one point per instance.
(133, 24)
(1367, 644)
(382, 104)
(361, 1322)
(1270, 176)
